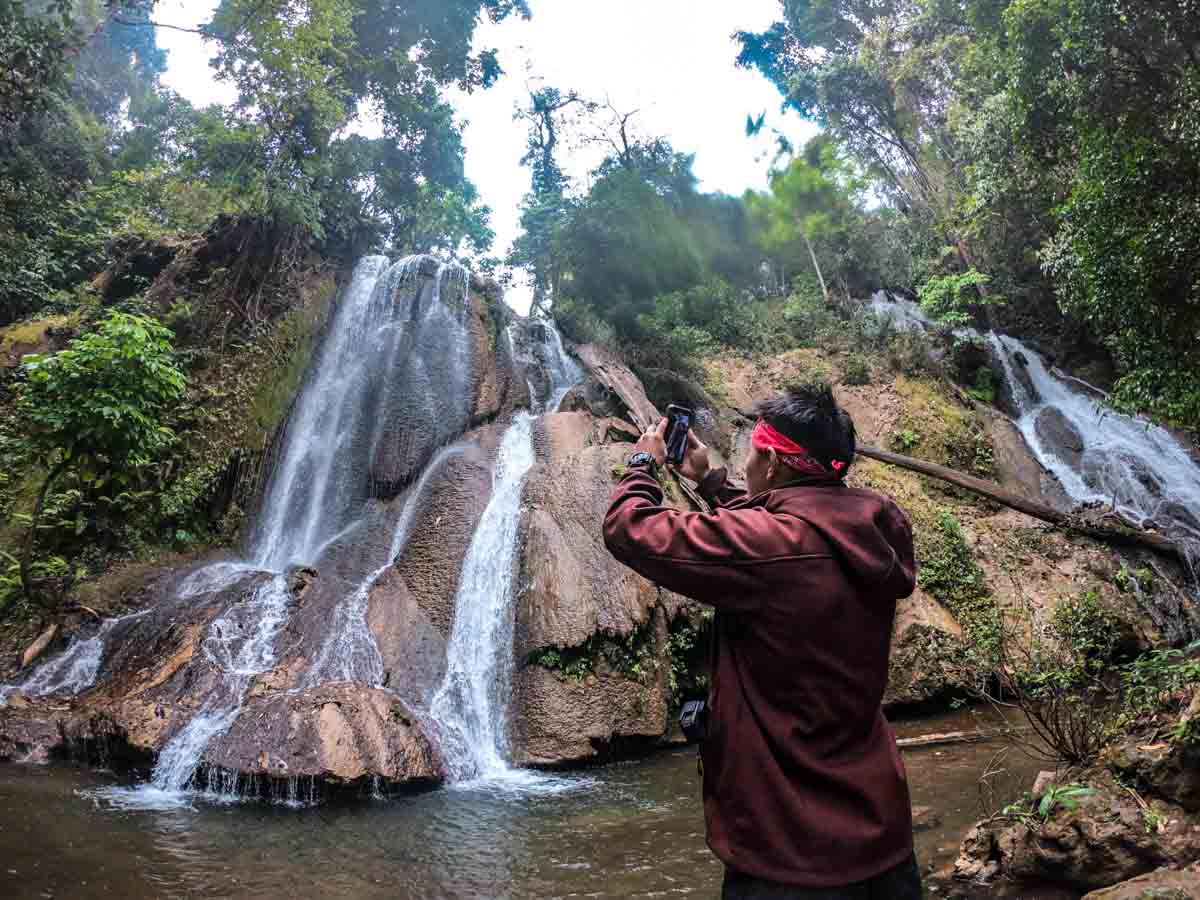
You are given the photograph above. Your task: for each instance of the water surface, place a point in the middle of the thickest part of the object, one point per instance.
(627, 830)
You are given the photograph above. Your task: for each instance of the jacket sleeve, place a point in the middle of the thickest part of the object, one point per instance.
(718, 490)
(717, 559)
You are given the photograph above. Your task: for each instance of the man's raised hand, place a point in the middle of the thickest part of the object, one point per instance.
(695, 463)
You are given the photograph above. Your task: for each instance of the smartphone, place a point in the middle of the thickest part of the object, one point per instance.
(679, 423)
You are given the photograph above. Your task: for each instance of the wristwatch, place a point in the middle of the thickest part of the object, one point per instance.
(642, 458)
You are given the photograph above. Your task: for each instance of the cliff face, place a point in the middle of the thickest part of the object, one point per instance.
(359, 631)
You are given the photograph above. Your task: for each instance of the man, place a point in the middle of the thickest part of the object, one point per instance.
(805, 795)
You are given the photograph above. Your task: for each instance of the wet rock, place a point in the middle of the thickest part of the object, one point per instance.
(563, 720)
(340, 733)
(1058, 434)
(1103, 842)
(572, 587)
(1162, 884)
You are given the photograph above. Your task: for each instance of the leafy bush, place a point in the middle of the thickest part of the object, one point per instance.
(96, 410)
(856, 369)
(948, 298)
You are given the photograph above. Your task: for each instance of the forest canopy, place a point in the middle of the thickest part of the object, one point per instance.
(94, 148)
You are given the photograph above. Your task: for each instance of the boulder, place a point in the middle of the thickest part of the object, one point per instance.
(339, 733)
(1106, 840)
(1161, 884)
(925, 644)
(1170, 770)
(1059, 436)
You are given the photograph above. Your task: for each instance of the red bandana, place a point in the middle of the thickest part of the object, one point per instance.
(792, 454)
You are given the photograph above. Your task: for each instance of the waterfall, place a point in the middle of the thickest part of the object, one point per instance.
(469, 709)
(1099, 456)
(391, 358)
(317, 489)
(239, 645)
(349, 652)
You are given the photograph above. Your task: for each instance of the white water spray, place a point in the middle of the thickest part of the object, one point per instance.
(350, 652)
(469, 711)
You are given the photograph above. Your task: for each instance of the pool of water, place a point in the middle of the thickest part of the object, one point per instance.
(627, 830)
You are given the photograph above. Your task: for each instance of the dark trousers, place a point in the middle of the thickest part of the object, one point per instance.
(901, 883)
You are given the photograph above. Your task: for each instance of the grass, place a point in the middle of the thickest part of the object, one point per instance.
(936, 428)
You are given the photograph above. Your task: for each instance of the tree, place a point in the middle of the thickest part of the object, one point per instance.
(97, 408)
(811, 202)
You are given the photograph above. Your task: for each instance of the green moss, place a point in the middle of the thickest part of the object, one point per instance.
(633, 656)
(934, 427)
(32, 333)
(292, 346)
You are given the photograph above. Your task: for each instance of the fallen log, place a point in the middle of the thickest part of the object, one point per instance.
(950, 737)
(1111, 534)
(35, 649)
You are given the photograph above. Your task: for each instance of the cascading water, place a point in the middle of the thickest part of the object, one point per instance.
(350, 652)
(1098, 455)
(317, 491)
(1140, 470)
(239, 645)
(320, 491)
(72, 671)
(469, 709)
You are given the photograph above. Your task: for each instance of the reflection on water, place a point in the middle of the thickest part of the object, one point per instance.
(630, 830)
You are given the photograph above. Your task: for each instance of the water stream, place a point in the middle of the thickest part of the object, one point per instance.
(1098, 455)
(469, 710)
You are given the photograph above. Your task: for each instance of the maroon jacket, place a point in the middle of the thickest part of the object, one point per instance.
(803, 782)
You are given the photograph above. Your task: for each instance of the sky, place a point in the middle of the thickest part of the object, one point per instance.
(672, 60)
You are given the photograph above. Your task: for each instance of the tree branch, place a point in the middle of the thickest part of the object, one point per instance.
(199, 31)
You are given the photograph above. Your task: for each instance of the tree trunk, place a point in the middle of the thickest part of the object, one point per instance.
(30, 538)
(816, 265)
(1115, 534)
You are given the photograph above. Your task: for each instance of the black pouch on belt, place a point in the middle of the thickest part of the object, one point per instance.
(693, 719)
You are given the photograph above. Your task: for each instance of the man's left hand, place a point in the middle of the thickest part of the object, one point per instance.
(654, 442)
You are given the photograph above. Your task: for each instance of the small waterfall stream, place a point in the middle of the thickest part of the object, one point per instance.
(1098, 455)
(470, 708)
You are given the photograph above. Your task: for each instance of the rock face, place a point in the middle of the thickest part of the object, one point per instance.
(304, 705)
(604, 626)
(1107, 840)
(1162, 884)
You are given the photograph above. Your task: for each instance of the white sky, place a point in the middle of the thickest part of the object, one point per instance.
(671, 59)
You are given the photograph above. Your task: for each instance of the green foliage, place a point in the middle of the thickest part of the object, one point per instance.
(856, 369)
(1034, 813)
(686, 650)
(1049, 143)
(1154, 684)
(948, 298)
(949, 573)
(905, 440)
(633, 656)
(98, 406)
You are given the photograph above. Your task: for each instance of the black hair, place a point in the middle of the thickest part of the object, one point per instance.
(809, 415)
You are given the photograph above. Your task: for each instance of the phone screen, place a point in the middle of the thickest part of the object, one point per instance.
(679, 422)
